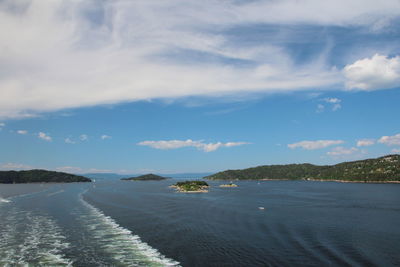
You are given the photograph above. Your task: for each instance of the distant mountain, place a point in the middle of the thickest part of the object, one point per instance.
(383, 169)
(110, 176)
(39, 176)
(105, 176)
(187, 175)
(146, 177)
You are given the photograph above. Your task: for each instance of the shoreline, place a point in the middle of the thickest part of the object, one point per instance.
(317, 180)
(179, 190)
(359, 182)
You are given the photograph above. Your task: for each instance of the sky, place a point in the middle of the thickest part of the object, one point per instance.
(196, 86)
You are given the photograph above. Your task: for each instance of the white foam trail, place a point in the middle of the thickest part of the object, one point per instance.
(27, 239)
(55, 193)
(3, 200)
(125, 248)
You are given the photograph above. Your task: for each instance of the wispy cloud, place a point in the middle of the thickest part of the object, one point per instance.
(393, 140)
(115, 55)
(365, 142)
(83, 137)
(335, 103)
(69, 169)
(318, 144)
(175, 144)
(14, 166)
(73, 169)
(22, 131)
(68, 140)
(340, 151)
(44, 136)
(320, 108)
(396, 150)
(104, 137)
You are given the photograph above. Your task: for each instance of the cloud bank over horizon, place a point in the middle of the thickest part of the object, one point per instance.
(312, 145)
(71, 54)
(200, 145)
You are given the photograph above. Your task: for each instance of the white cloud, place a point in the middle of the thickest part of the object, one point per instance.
(378, 72)
(396, 150)
(72, 169)
(104, 137)
(44, 136)
(2, 124)
(336, 107)
(340, 151)
(335, 102)
(365, 142)
(83, 137)
(58, 57)
(14, 166)
(22, 131)
(393, 140)
(320, 108)
(175, 144)
(332, 100)
(69, 141)
(69, 169)
(311, 145)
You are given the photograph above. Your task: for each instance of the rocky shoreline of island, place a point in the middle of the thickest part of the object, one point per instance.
(191, 187)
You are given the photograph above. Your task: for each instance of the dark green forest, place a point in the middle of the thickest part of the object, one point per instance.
(381, 169)
(39, 176)
(191, 185)
(146, 177)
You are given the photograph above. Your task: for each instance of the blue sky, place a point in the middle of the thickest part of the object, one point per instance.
(184, 86)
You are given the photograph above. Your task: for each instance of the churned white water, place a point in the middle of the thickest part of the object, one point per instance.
(125, 248)
(30, 239)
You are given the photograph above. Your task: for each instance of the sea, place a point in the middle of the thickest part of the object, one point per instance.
(146, 223)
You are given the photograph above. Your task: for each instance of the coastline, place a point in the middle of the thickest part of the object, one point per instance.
(316, 180)
(350, 181)
(179, 190)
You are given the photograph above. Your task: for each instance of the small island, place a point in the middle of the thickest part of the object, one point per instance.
(146, 177)
(228, 185)
(191, 187)
(39, 176)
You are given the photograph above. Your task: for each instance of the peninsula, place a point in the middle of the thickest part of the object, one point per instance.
(39, 176)
(191, 187)
(146, 177)
(379, 170)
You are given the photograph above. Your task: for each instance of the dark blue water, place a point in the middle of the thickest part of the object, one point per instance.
(123, 223)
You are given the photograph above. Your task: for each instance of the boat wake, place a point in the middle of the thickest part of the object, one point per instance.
(124, 247)
(36, 231)
(27, 238)
(3, 200)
